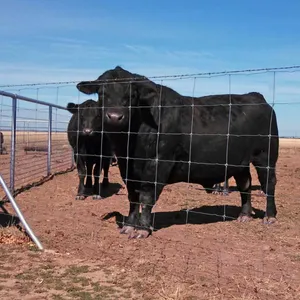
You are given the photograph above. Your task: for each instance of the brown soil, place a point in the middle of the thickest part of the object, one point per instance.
(198, 255)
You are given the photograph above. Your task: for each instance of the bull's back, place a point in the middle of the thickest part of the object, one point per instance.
(224, 136)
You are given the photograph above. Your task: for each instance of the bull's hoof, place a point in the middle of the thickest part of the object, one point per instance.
(139, 234)
(269, 220)
(97, 197)
(225, 192)
(244, 218)
(80, 197)
(127, 229)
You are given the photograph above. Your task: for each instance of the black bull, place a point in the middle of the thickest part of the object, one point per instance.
(193, 144)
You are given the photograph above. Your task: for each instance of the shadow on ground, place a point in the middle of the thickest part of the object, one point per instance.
(8, 220)
(112, 189)
(197, 216)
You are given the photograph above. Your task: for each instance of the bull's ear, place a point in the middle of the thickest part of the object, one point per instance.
(147, 94)
(72, 107)
(88, 87)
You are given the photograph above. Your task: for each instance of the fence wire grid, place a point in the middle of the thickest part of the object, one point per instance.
(39, 148)
(279, 86)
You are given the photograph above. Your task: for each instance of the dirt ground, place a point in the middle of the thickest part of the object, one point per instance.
(31, 157)
(193, 254)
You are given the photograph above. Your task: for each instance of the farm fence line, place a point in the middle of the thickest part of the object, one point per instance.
(35, 131)
(38, 141)
(34, 145)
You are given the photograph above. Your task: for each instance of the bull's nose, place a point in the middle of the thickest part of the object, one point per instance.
(114, 117)
(87, 130)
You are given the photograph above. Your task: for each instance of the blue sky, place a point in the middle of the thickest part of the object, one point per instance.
(52, 40)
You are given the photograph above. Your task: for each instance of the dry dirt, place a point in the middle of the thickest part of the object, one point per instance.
(194, 255)
(31, 166)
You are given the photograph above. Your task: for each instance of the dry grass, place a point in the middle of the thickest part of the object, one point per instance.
(32, 138)
(13, 236)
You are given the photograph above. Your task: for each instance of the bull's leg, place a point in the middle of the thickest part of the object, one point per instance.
(243, 182)
(225, 191)
(267, 179)
(132, 220)
(114, 160)
(219, 190)
(96, 187)
(89, 181)
(105, 166)
(153, 181)
(81, 175)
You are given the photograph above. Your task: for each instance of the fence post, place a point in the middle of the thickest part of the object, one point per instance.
(49, 142)
(13, 144)
(19, 214)
(72, 160)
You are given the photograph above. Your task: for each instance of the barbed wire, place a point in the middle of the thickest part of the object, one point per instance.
(176, 76)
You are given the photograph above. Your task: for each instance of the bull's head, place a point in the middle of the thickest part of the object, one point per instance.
(123, 96)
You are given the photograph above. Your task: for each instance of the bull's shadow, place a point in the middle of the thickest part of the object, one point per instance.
(197, 216)
(7, 219)
(112, 189)
(233, 188)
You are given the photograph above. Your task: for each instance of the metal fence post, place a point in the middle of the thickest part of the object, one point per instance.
(13, 144)
(49, 142)
(19, 214)
(72, 159)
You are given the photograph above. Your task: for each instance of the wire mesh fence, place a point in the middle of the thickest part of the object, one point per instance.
(34, 140)
(194, 236)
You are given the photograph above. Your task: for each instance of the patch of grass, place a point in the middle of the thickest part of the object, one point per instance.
(55, 283)
(104, 290)
(82, 295)
(58, 297)
(59, 286)
(137, 285)
(100, 297)
(33, 254)
(76, 270)
(110, 289)
(47, 267)
(96, 287)
(41, 291)
(73, 289)
(295, 257)
(127, 295)
(5, 276)
(82, 280)
(33, 248)
(25, 276)
(24, 289)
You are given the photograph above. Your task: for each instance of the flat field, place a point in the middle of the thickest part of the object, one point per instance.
(198, 255)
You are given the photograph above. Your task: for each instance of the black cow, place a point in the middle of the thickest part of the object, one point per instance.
(193, 144)
(1, 143)
(84, 135)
